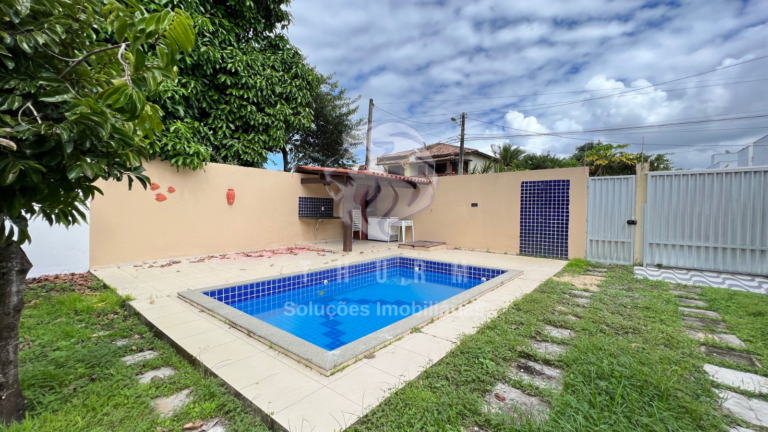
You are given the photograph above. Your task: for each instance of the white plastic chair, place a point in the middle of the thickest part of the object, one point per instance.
(402, 224)
(357, 221)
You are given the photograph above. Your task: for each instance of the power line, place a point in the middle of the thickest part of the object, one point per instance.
(565, 92)
(403, 118)
(556, 104)
(626, 127)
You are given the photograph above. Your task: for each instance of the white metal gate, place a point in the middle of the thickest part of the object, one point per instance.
(610, 218)
(714, 220)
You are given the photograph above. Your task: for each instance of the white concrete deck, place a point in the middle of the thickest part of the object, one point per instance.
(296, 397)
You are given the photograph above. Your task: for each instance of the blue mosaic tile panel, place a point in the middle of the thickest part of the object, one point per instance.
(309, 206)
(309, 285)
(544, 216)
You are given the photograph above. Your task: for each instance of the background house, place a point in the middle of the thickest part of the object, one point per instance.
(436, 159)
(755, 154)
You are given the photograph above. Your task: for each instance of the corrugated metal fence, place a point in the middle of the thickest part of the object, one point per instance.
(713, 220)
(611, 204)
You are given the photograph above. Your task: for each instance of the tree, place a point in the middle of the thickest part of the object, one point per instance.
(506, 154)
(532, 161)
(612, 160)
(488, 166)
(241, 92)
(334, 132)
(73, 110)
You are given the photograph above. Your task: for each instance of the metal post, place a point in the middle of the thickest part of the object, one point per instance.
(368, 135)
(461, 145)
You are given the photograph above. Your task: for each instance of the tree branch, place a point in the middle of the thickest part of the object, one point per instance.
(82, 59)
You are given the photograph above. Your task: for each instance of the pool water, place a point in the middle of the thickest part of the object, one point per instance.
(333, 308)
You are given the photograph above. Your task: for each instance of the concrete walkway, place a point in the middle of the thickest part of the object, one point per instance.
(294, 396)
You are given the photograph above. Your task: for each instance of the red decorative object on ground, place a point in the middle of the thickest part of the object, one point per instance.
(154, 186)
(171, 189)
(230, 196)
(160, 197)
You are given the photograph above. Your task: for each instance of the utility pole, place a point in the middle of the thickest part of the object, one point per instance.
(368, 136)
(461, 144)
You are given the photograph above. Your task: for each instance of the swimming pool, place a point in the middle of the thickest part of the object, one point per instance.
(329, 317)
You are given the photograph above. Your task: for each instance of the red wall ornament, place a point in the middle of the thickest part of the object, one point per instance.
(230, 196)
(154, 186)
(171, 189)
(160, 197)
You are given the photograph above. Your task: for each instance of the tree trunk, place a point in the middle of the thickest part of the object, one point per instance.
(14, 266)
(286, 162)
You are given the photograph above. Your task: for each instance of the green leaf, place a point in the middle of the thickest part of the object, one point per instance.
(74, 171)
(59, 94)
(87, 169)
(139, 59)
(8, 62)
(26, 42)
(10, 173)
(9, 102)
(121, 27)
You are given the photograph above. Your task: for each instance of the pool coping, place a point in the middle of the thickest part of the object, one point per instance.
(324, 361)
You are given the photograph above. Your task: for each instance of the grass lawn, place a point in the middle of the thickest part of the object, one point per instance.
(73, 378)
(629, 367)
(746, 315)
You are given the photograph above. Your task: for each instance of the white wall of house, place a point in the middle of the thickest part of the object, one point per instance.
(476, 160)
(56, 249)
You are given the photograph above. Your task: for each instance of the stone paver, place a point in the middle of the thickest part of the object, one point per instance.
(537, 374)
(581, 300)
(157, 373)
(684, 293)
(740, 429)
(121, 342)
(704, 323)
(165, 406)
(743, 380)
(699, 312)
(753, 411)
(690, 302)
(512, 401)
(690, 288)
(558, 332)
(230, 354)
(548, 349)
(140, 357)
(582, 282)
(730, 355)
(720, 337)
(580, 293)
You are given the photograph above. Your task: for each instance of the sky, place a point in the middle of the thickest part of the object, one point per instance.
(516, 66)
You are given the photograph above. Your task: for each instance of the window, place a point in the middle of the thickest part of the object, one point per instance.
(441, 168)
(396, 170)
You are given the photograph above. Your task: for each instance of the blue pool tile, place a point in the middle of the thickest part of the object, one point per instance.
(387, 290)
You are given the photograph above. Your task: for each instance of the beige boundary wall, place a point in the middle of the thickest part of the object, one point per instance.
(495, 223)
(128, 226)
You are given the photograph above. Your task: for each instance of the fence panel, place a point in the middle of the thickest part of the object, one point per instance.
(714, 220)
(611, 204)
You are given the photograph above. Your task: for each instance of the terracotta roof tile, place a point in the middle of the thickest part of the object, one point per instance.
(342, 171)
(436, 151)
